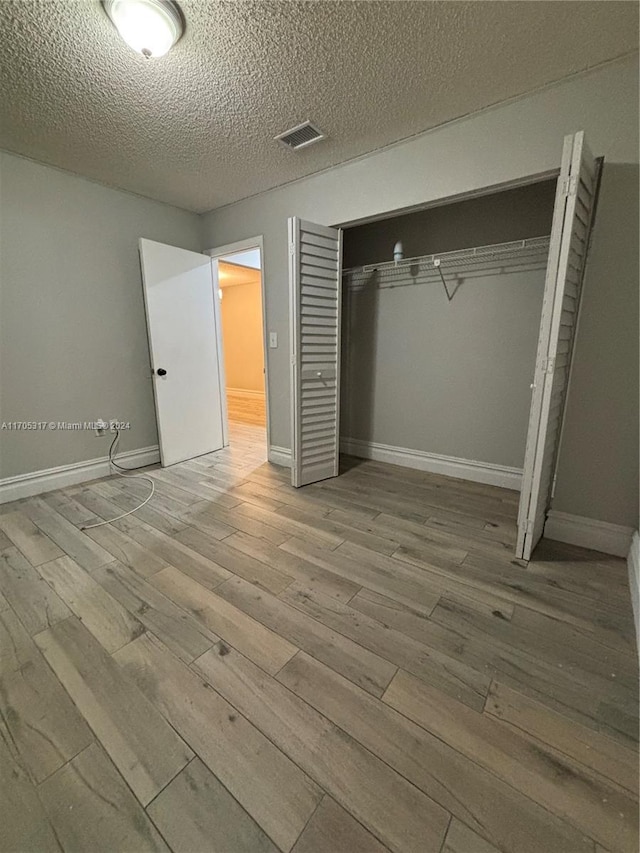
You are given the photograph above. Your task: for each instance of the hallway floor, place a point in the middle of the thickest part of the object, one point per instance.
(246, 408)
(357, 666)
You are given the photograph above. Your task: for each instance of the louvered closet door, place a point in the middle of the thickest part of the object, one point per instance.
(315, 281)
(572, 219)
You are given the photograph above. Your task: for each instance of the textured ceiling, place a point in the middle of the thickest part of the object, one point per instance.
(195, 128)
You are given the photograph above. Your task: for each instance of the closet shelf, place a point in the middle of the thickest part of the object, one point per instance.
(520, 255)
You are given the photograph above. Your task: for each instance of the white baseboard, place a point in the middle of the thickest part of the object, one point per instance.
(588, 533)
(279, 456)
(450, 466)
(245, 392)
(633, 562)
(36, 482)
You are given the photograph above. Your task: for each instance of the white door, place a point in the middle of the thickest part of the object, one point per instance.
(570, 232)
(315, 282)
(180, 296)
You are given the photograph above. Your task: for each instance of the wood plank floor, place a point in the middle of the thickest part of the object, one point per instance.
(358, 666)
(246, 409)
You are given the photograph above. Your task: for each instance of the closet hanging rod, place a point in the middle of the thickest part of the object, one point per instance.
(527, 251)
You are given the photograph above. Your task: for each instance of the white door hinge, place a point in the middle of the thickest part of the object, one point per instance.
(293, 360)
(550, 365)
(570, 186)
(292, 248)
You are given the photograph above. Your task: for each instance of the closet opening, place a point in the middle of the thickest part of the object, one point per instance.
(438, 353)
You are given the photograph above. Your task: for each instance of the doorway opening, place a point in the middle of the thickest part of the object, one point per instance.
(240, 294)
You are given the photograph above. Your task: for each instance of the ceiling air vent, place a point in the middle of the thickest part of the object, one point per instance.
(299, 137)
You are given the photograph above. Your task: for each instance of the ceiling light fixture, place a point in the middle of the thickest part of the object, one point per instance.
(151, 27)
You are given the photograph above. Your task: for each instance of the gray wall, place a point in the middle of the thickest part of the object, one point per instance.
(495, 218)
(490, 148)
(72, 326)
(598, 464)
(448, 378)
(445, 377)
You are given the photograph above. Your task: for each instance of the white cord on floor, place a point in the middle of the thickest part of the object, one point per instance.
(119, 469)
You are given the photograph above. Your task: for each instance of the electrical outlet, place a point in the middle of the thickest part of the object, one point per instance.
(273, 340)
(101, 427)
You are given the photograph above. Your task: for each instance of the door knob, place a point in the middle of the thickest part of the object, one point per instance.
(161, 371)
(319, 374)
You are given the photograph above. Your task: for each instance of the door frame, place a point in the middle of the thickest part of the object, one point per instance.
(489, 189)
(443, 201)
(215, 254)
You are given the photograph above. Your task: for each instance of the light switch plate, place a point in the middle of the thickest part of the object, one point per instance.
(273, 340)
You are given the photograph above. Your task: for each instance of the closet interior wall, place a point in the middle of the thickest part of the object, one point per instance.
(449, 378)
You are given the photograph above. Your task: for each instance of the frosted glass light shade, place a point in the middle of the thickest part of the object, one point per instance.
(150, 27)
